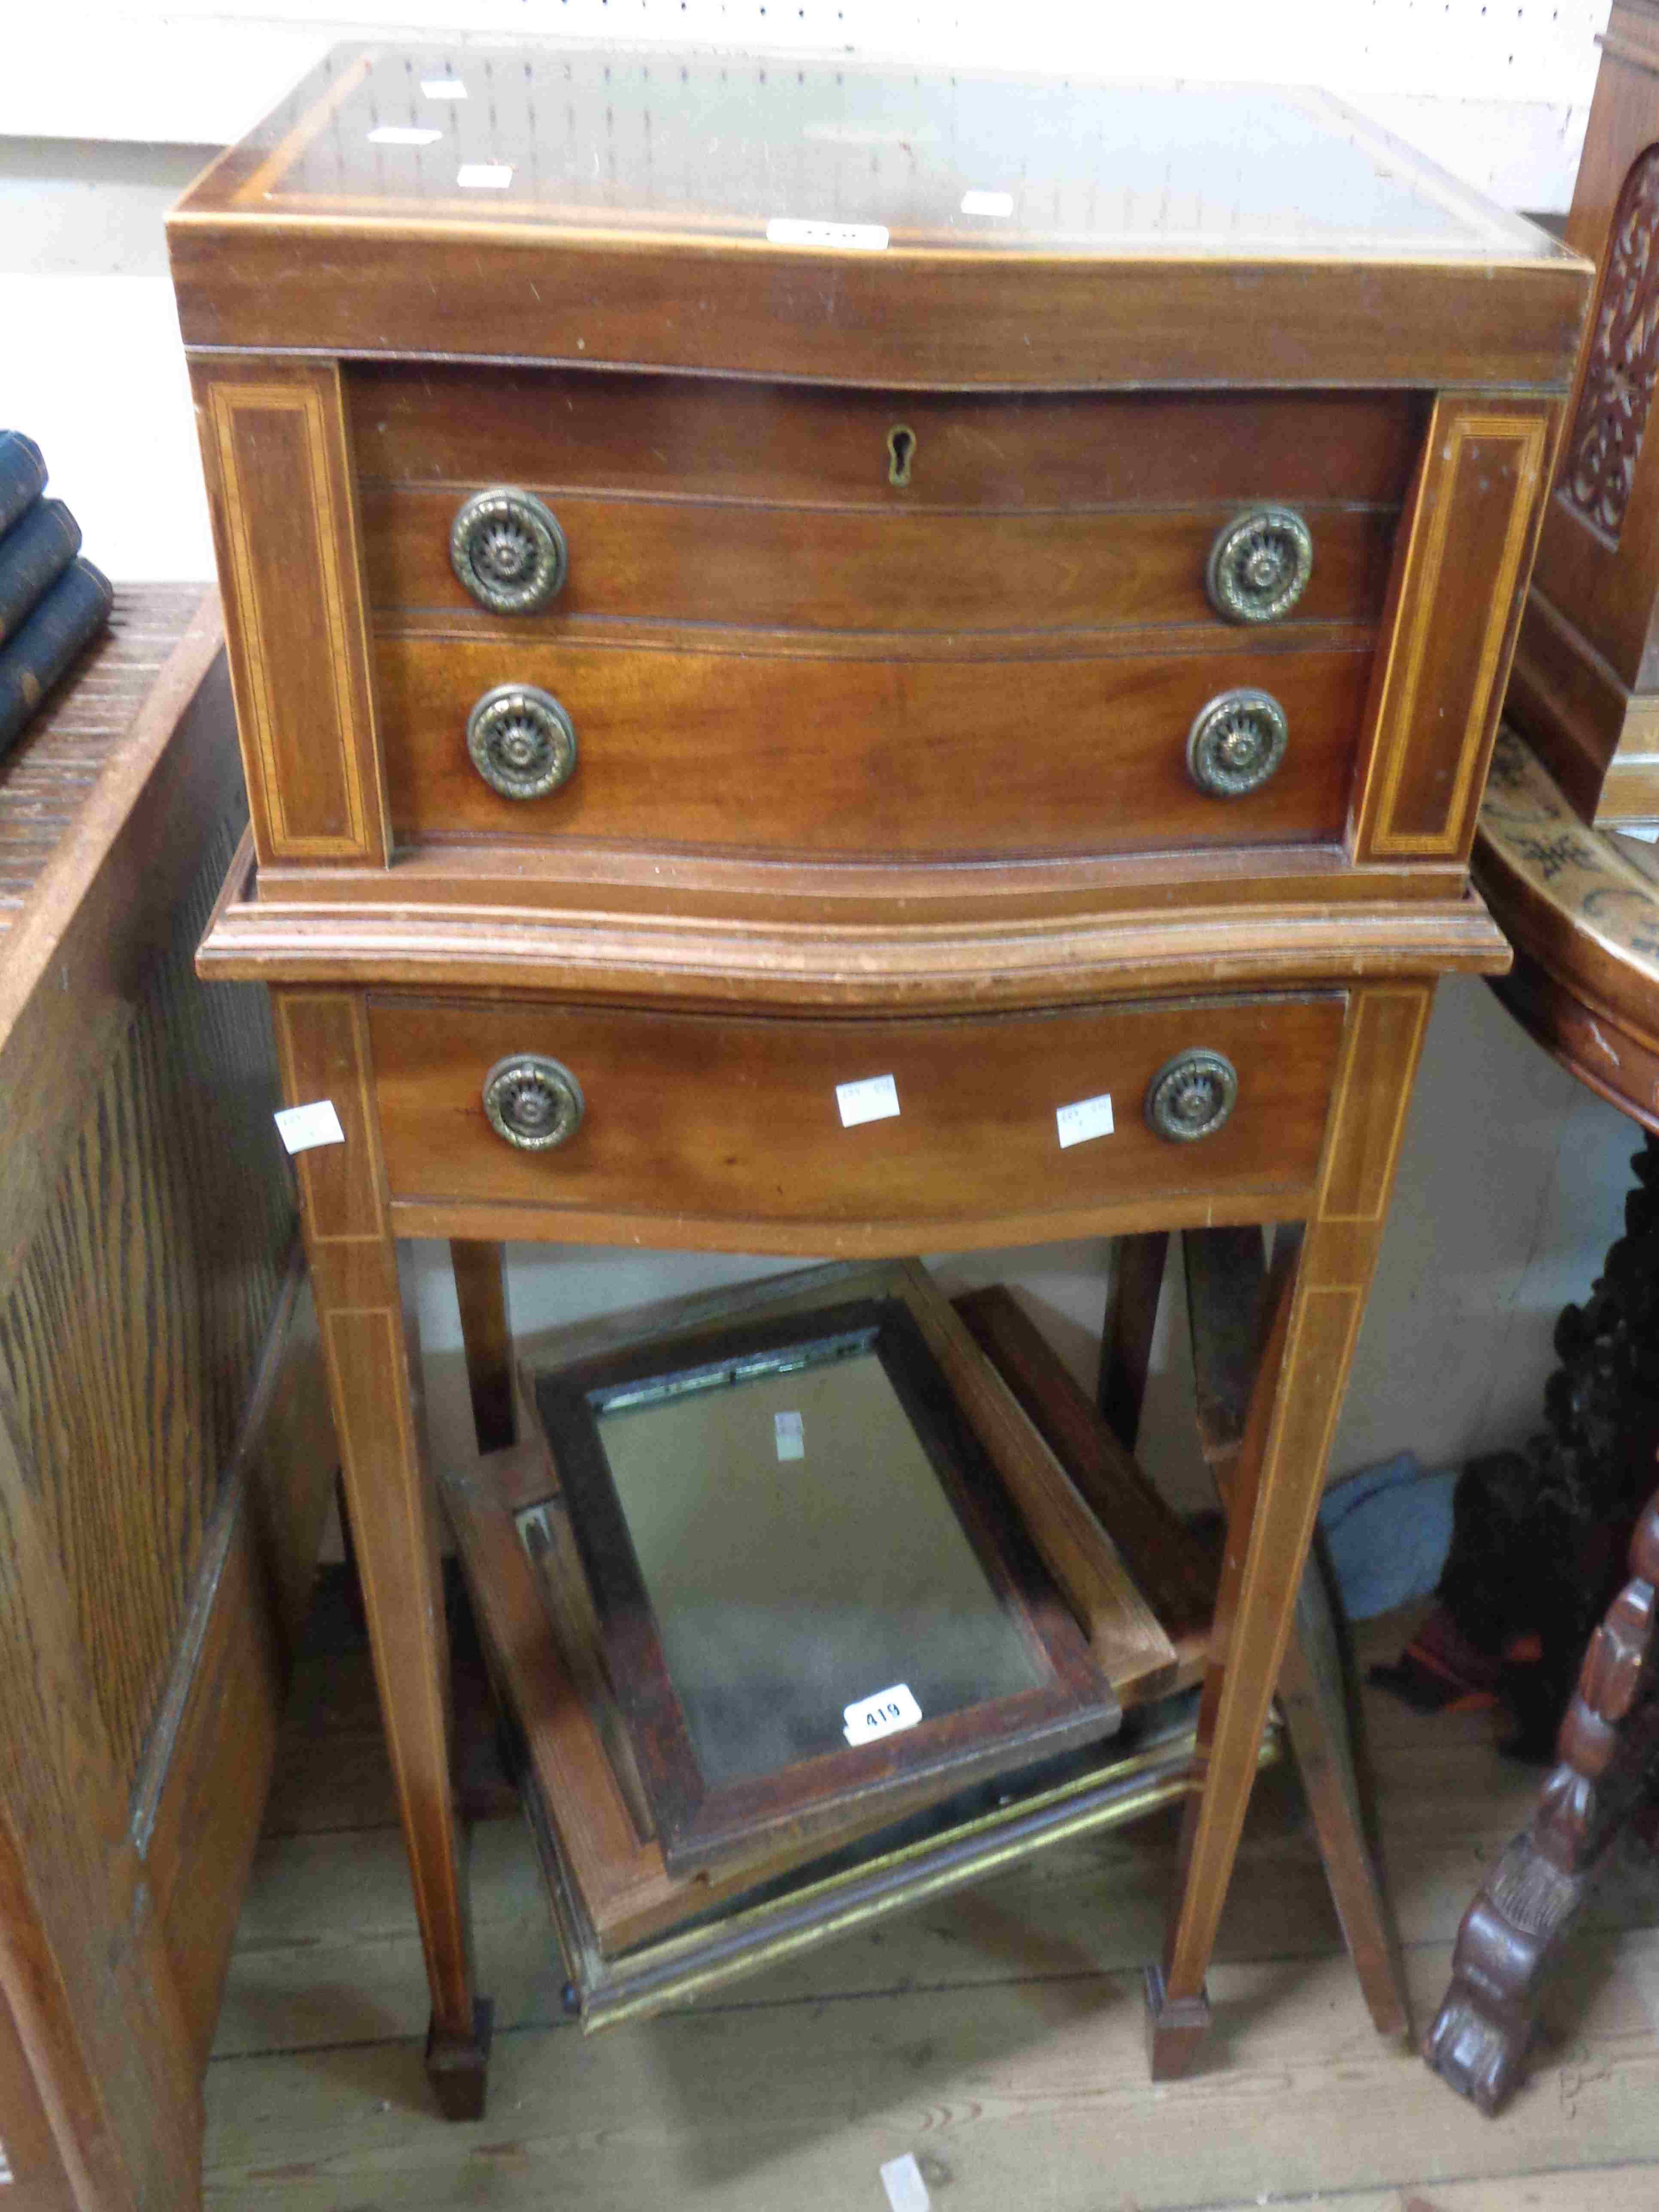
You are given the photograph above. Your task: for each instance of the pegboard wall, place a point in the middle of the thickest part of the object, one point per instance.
(1496, 89)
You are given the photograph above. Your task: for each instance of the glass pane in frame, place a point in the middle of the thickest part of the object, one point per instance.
(773, 1517)
(831, 1567)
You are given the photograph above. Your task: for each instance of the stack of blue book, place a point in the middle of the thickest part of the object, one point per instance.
(53, 604)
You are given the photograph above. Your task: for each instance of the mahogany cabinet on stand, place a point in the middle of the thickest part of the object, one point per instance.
(1018, 625)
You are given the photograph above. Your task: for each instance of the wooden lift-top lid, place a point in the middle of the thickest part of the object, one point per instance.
(788, 215)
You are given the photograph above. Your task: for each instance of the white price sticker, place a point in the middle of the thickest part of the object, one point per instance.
(789, 1434)
(400, 134)
(988, 203)
(1085, 1118)
(443, 88)
(884, 1714)
(874, 1099)
(844, 237)
(302, 1127)
(483, 176)
(906, 2190)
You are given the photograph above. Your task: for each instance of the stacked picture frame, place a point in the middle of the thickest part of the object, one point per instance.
(705, 1800)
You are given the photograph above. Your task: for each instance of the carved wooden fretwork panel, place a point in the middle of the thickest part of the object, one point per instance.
(1624, 361)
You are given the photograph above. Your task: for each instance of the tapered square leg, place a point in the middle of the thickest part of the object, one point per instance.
(1226, 1281)
(458, 2066)
(1175, 2028)
(1275, 1490)
(322, 1042)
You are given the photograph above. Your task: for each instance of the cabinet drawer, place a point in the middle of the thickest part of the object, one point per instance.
(845, 753)
(709, 1128)
(917, 569)
(552, 431)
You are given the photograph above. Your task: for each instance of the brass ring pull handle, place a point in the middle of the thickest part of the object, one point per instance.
(1259, 565)
(533, 1102)
(508, 551)
(521, 741)
(1191, 1096)
(1237, 743)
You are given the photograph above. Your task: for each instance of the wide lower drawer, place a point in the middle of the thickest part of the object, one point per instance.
(915, 569)
(684, 1127)
(845, 754)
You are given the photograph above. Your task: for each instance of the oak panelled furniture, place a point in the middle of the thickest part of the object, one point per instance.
(754, 577)
(1584, 691)
(166, 1457)
(1579, 754)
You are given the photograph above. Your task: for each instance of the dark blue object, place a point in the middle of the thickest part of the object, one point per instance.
(69, 617)
(22, 476)
(1388, 1531)
(34, 554)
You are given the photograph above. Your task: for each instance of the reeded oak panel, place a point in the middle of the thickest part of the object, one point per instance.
(135, 1299)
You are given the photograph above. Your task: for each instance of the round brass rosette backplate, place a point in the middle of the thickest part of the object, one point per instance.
(507, 548)
(521, 741)
(1191, 1096)
(1259, 565)
(1237, 743)
(533, 1102)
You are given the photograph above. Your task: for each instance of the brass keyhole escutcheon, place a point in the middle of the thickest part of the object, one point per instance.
(901, 451)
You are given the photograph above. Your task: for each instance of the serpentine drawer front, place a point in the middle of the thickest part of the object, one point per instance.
(657, 1117)
(441, 428)
(773, 746)
(910, 568)
(905, 624)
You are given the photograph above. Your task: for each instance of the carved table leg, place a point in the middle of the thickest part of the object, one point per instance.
(322, 1040)
(1275, 1490)
(1485, 2027)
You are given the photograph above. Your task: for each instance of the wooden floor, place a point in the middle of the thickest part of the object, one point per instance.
(997, 2038)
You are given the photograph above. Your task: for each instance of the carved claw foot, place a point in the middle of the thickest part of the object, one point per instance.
(1484, 2029)
(1478, 2055)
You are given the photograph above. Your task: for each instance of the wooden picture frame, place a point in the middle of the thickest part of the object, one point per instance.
(706, 1818)
(634, 1940)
